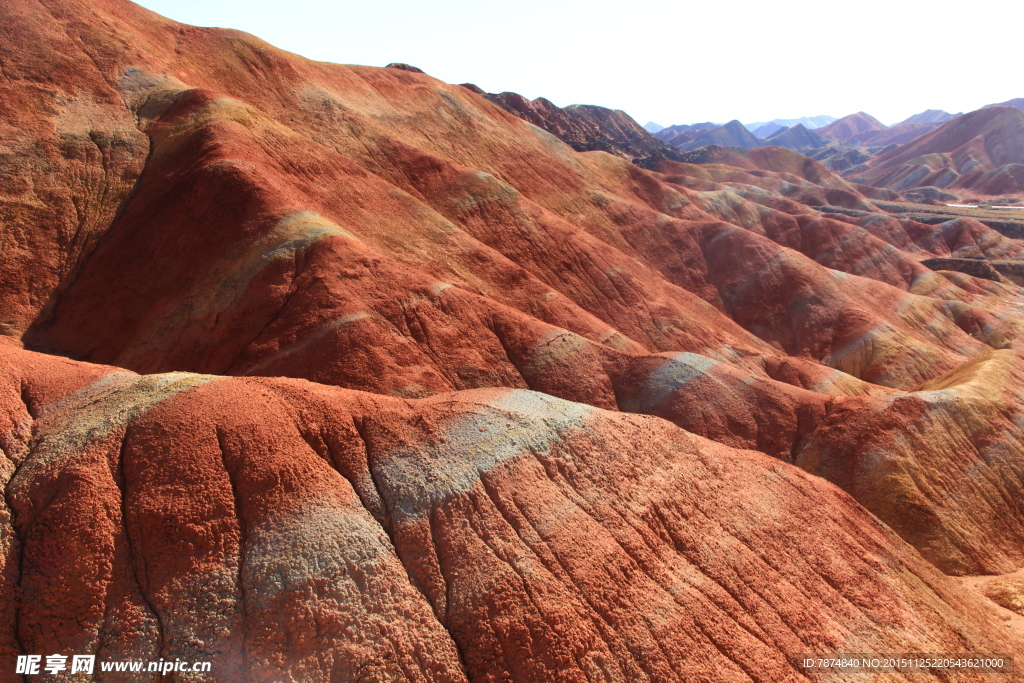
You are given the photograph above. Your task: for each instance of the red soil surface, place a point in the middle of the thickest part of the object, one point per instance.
(291, 531)
(425, 394)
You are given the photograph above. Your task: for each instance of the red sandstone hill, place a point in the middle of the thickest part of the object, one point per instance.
(373, 379)
(284, 530)
(851, 128)
(982, 151)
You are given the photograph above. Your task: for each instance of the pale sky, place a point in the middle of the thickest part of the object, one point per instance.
(666, 61)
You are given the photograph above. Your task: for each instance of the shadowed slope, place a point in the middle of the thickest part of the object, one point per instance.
(589, 128)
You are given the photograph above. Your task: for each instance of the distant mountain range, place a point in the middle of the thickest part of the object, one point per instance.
(763, 129)
(840, 143)
(981, 152)
(931, 116)
(732, 134)
(682, 134)
(1017, 103)
(852, 127)
(798, 138)
(587, 127)
(857, 126)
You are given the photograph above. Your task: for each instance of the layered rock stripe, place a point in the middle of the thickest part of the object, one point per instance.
(194, 204)
(285, 530)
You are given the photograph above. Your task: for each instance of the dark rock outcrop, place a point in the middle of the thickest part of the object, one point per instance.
(404, 67)
(973, 267)
(589, 128)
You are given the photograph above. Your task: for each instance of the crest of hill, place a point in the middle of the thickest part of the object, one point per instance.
(797, 138)
(482, 503)
(808, 121)
(851, 128)
(732, 134)
(982, 151)
(899, 134)
(1017, 103)
(773, 159)
(767, 130)
(682, 133)
(588, 128)
(931, 116)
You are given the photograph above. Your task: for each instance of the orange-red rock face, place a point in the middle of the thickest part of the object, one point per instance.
(290, 531)
(425, 394)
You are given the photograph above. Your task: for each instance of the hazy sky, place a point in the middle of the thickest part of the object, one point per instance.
(670, 62)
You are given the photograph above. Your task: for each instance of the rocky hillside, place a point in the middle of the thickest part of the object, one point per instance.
(336, 373)
(981, 152)
(588, 128)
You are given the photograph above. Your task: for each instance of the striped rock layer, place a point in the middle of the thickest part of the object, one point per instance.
(290, 531)
(375, 380)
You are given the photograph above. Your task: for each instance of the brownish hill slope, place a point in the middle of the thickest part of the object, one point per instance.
(982, 151)
(1016, 102)
(732, 134)
(797, 138)
(899, 134)
(427, 394)
(851, 128)
(493, 534)
(931, 116)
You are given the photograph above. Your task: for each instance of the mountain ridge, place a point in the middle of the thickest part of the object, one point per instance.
(319, 372)
(981, 151)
